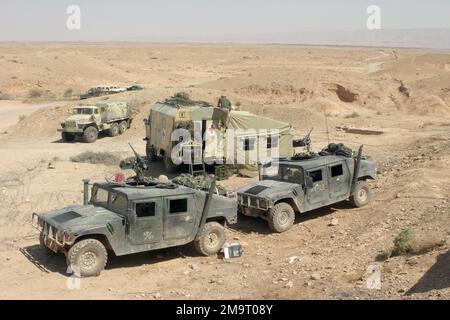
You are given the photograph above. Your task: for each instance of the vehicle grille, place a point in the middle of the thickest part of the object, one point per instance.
(70, 124)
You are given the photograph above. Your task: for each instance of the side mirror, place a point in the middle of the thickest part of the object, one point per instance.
(309, 184)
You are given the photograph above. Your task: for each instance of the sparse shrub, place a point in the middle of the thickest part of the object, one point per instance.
(408, 243)
(384, 255)
(353, 115)
(238, 104)
(96, 158)
(22, 117)
(402, 243)
(68, 93)
(4, 96)
(35, 93)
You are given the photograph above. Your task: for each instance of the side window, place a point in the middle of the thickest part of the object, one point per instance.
(272, 142)
(145, 209)
(178, 206)
(337, 171)
(316, 175)
(249, 144)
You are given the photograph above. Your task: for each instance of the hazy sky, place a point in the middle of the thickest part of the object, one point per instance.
(22, 20)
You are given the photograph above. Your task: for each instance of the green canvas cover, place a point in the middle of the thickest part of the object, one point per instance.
(245, 120)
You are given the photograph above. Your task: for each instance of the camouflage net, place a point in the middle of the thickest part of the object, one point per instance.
(199, 183)
(337, 149)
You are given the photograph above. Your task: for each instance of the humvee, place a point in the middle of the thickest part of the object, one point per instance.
(289, 185)
(125, 219)
(88, 120)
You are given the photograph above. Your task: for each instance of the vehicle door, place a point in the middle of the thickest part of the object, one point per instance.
(339, 181)
(148, 225)
(96, 114)
(319, 194)
(179, 217)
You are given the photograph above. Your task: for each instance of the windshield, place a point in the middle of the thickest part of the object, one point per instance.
(110, 200)
(288, 173)
(82, 111)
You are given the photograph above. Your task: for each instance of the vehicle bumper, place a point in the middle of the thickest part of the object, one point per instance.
(74, 131)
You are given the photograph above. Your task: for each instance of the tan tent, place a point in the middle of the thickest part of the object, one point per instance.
(257, 138)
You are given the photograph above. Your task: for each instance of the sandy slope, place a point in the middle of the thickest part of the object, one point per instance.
(294, 84)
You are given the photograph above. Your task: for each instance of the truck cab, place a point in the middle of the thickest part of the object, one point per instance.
(288, 186)
(127, 219)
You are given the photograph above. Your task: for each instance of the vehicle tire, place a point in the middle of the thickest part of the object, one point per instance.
(123, 126)
(67, 137)
(89, 255)
(362, 195)
(90, 134)
(42, 243)
(114, 130)
(170, 166)
(210, 239)
(281, 217)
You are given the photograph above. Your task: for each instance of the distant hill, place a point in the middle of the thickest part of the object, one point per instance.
(403, 38)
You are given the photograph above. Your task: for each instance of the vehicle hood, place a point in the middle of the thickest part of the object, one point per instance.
(267, 188)
(79, 118)
(77, 217)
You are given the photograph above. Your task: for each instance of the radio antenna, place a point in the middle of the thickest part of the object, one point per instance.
(326, 117)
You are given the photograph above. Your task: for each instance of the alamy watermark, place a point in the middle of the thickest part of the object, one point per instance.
(249, 146)
(73, 21)
(373, 281)
(73, 281)
(374, 19)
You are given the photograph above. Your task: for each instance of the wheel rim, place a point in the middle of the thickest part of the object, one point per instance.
(88, 260)
(283, 217)
(212, 240)
(362, 195)
(91, 134)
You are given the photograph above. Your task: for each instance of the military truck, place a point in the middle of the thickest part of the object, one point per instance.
(87, 121)
(299, 184)
(125, 218)
(199, 117)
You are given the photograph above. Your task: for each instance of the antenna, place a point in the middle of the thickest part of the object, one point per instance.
(326, 117)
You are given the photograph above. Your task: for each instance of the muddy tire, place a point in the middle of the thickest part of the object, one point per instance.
(362, 194)
(114, 130)
(90, 134)
(42, 243)
(67, 137)
(210, 239)
(170, 166)
(281, 217)
(123, 126)
(89, 255)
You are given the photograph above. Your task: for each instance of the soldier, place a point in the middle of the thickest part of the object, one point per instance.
(224, 103)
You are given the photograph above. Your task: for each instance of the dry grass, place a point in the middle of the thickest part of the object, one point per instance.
(96, 158)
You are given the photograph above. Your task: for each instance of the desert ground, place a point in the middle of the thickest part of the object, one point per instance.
(321, 87)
